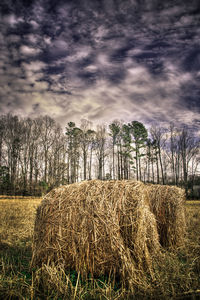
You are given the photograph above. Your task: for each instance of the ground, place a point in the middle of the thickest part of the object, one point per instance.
(179, 275)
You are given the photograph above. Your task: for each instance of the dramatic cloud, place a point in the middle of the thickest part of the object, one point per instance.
(101, 60)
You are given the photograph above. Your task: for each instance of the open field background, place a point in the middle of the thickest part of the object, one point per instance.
(178, 278)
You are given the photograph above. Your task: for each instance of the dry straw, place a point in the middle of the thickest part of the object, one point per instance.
(167, 204)
(98, 227)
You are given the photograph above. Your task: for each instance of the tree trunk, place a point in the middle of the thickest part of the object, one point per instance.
(113, 159)
(161, 165)
(84, 164)
(152, 170)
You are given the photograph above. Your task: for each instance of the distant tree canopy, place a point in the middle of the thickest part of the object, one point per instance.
(36, 155)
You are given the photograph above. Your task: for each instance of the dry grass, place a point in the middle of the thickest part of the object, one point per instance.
(16, 229)
(167, 204)
(17, 219)
(178, 277)
(98, 228)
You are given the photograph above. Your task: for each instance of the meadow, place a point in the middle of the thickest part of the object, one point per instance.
(178, 278)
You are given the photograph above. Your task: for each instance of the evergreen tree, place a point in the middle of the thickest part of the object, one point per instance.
(139, 134)
(114, 132)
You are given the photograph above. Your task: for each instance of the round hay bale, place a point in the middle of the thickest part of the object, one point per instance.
(167, 204)
(98, 227)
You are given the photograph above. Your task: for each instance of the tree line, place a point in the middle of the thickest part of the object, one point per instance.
(37, 155)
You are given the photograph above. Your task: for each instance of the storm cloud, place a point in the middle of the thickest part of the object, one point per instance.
(101, 60)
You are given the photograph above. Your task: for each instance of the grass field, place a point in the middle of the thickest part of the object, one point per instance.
(179, 277)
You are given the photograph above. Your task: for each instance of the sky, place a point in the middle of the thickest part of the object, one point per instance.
(101, 60)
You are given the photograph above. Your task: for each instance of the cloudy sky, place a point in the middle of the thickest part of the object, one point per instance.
(101, 60)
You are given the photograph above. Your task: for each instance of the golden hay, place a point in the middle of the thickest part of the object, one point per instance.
(98, 227)
(167, 204)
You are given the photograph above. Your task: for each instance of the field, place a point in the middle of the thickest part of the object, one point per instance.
(179, 277)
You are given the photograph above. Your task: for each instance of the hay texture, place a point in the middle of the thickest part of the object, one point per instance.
(168, 205)
(98, 227)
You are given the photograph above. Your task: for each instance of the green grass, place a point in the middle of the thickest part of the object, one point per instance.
(179, 275)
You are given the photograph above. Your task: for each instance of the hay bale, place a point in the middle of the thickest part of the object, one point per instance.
(98, 227)
(167, 204)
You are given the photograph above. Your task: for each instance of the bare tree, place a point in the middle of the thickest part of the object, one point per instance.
(188, 148)
(73, 138)
(100, 140)
(14, 132)
(159, 140)
(86, 138)
(114, 132)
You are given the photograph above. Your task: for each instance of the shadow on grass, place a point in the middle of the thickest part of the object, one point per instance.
(17, 281)
(16, 277)
(15, 258)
